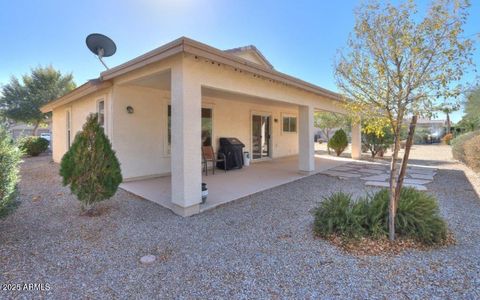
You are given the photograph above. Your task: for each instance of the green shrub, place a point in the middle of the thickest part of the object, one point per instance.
(335, 215)
(417, 216)
(90, 166)
(338, 142)
(377, 144)
(9, 160)
(33, 145)
(458, 150)
(472, 152)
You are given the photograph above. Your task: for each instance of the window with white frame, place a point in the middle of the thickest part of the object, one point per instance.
(289, 123)
(68, 129)
(101, 113)
(207, 127)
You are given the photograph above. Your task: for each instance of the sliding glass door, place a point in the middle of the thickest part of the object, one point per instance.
(261, 136)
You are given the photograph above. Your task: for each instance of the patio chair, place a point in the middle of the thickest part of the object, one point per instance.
(208, 155)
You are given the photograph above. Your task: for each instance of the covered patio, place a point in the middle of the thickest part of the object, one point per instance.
(235, 184)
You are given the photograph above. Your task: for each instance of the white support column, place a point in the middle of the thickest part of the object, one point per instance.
(356, 140)
(186, 101)
(306, 144)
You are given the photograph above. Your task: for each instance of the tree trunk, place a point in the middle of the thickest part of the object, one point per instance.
(403, 168)
(448, 124)
(393, 186)
(35, 128)
(328, 140)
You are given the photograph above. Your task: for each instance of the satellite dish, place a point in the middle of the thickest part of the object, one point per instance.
(101, 45)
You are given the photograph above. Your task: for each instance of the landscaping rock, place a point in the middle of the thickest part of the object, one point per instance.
(147, 259)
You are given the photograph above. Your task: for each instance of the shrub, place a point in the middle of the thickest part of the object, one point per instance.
(335, 215)
(33, 145)
(447, 138)
(458, 150)
(472, 152)
(376, 143)
(90, 166)
(417, 216)
(9, 160)
(338, 142)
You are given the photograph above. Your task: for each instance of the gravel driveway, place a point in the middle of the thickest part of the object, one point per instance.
(257, 247)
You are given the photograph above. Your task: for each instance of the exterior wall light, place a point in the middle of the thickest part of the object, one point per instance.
(130, 109)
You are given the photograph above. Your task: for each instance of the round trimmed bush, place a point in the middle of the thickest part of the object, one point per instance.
(338, 142)
(33, 145)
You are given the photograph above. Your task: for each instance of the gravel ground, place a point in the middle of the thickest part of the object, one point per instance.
(257, 247)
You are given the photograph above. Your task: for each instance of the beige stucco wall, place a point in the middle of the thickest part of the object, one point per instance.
(139, 138)
(232, 118)
(79, 111)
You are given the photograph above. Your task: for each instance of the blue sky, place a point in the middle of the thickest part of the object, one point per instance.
(299, 38)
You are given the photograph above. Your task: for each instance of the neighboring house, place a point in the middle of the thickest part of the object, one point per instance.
(436, 127)
(158, 108)
(429, 131)
(20, 129)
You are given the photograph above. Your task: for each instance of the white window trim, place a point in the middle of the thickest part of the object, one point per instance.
(271, 142)
(166, 148)
(104, 111)
(289, 115)
(68, 127)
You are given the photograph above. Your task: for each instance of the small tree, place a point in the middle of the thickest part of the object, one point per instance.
(21, 101)
(377, 142)
(327, 121)
(447, 109)
(90, 166)
(338, 142)
(399, 63)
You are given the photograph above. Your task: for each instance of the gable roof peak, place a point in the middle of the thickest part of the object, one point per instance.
(250, 48)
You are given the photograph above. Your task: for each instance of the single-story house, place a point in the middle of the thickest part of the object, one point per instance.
(159, 108)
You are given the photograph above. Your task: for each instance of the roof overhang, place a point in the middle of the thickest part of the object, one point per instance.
(189, 46)
(89, 87)
(186, 45)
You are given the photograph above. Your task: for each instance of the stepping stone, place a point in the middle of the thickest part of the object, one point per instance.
(341, 174)
(416, 186)
(416, 181)
(426, 172)
(381, 177)
(386, 184)
(371, 171)
(420, 176)
(377, 183)
(147, 259)
(342, 168)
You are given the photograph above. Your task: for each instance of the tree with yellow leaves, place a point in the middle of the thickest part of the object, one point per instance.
(398, 63)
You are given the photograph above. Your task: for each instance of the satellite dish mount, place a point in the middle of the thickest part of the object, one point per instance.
(101, 45)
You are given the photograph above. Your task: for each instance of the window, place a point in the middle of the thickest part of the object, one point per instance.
(207, 127)
(101, 113)
(289, 124)
(169, 128)
(68, 129)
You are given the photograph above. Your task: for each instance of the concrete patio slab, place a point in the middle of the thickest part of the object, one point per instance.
(225, 187)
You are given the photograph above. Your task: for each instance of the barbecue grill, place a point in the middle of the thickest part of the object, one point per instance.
(233, 150)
